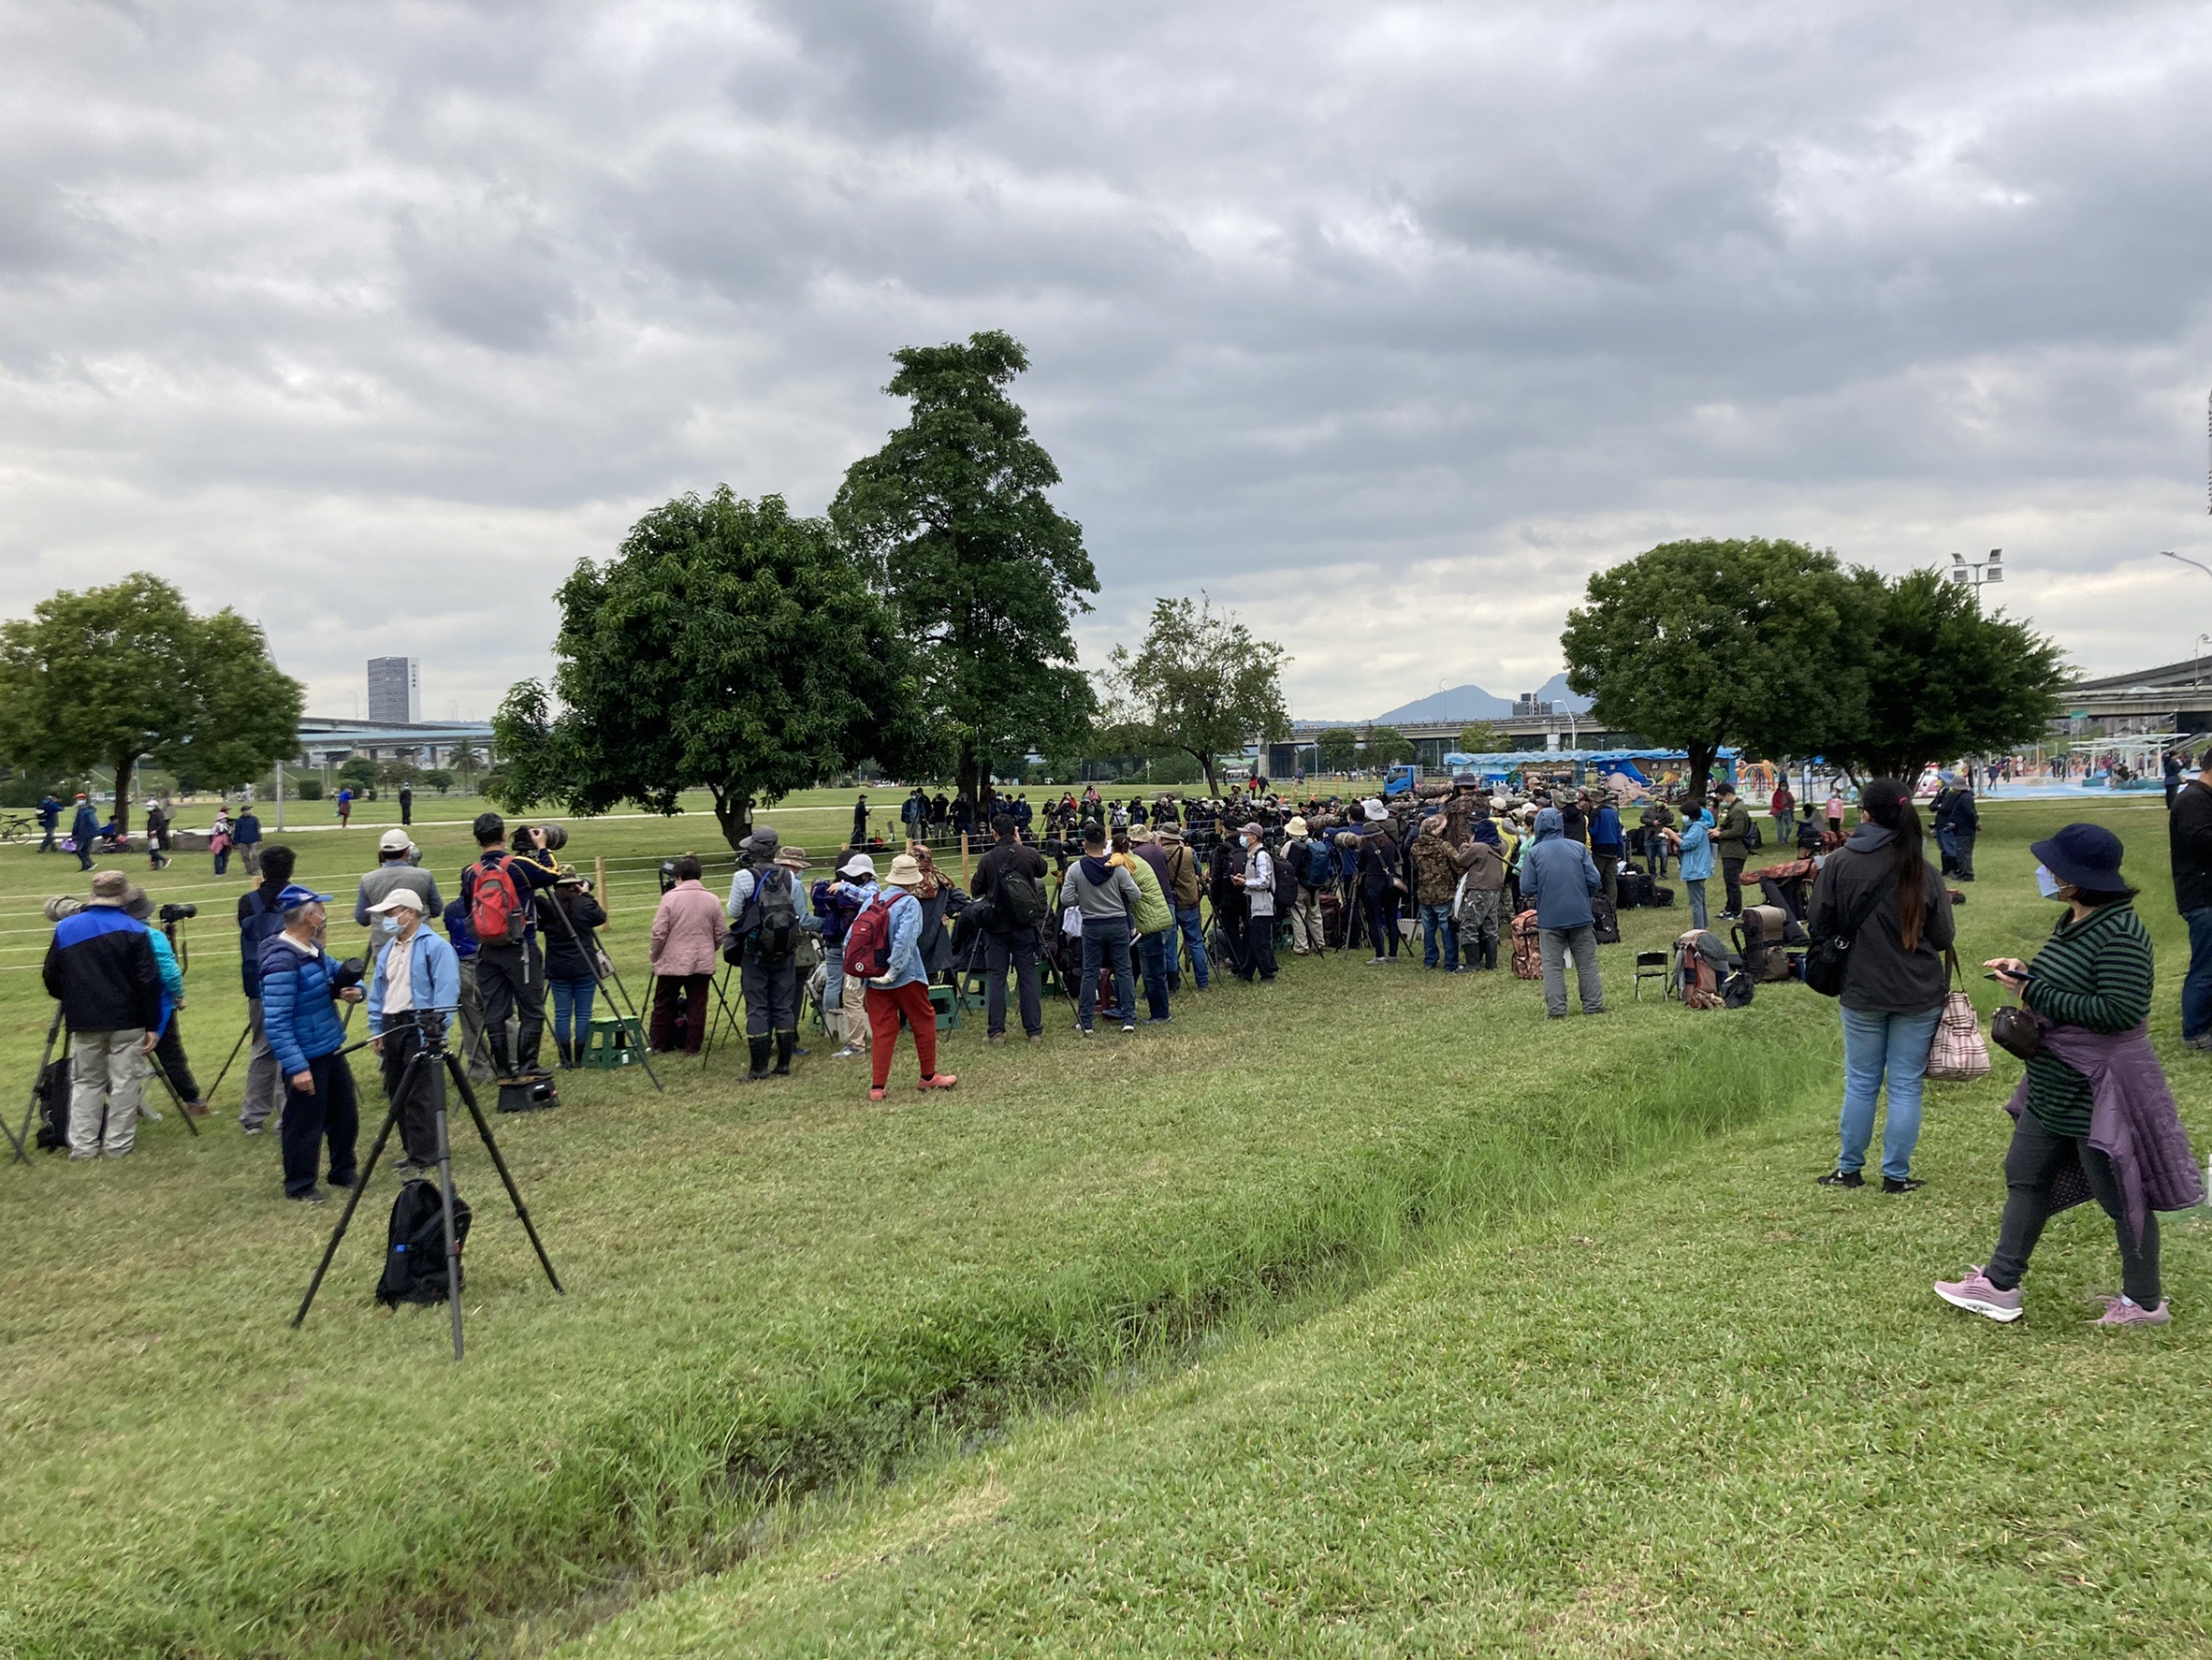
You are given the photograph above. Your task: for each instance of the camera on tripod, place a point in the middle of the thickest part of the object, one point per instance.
(556, 836)
(667, 874)
(173, 914)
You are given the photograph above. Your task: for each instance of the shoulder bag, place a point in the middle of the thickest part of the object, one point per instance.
(1957, 1053)
(1829, 954)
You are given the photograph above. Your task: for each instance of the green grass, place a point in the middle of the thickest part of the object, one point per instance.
(773, 1291)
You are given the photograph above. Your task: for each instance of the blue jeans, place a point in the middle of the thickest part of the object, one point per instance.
(1436, 919)
(2196, 986)
(1694, 887)
(1153, 950)
(572, 1008)
(1876, 1045)
(1194, 934)
(1106, 944)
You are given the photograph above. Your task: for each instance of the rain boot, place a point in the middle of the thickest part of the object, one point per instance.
(760, 1060)
(785, 1043)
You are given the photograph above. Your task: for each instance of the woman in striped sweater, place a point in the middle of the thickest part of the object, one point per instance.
(2089, 987)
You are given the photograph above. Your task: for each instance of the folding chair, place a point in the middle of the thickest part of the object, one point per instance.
(1651, 964)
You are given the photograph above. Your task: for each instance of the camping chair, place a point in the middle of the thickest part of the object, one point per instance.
(1652, 964)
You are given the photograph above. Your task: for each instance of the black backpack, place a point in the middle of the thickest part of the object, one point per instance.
(1752, 837)
(1021, 899)
(771, 918)
(53, 1093)
(1604, 921)
(415, 1251)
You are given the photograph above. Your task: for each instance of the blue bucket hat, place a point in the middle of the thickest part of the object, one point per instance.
(2086, 856)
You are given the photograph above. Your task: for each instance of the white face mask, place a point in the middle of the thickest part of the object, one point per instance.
(2046, 883)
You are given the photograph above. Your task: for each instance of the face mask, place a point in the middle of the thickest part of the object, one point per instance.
(389, 923)
(2046, 883)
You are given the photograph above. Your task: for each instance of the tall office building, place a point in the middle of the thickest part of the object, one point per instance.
(395, 690)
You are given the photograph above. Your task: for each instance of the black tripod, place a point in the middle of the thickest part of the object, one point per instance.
(433, 1054)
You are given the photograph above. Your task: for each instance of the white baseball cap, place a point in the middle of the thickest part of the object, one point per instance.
(396, 841)
(400, 897)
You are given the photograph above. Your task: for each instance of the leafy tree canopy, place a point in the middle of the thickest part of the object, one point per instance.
(111, 676)
(1938, 680)
(732, 648)
(1697, 644)
(1200, 682)
(1387, 745)
(1479, 738)
(1337, 747)
(952, 519)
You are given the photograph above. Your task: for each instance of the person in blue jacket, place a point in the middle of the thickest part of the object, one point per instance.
(84, 829)
(299, 997)
(1607, 845)
(1558, 877)
(49, 818)
(413, 990)
(1694, 843)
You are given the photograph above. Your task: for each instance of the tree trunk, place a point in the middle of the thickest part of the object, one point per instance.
(967, 772)
(1701, 760)
(733, 812)
(1206, 766)
(122, 794)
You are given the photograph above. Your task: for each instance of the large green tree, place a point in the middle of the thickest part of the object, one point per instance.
(113, 676)
(1385, 745)
(1337, 747)
(1703, 643)
(1937, 679)
(1200, 682)
(730, 646)
(1479, 738)
(952, 518)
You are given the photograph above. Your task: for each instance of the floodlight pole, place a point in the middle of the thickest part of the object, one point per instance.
(1973, 574)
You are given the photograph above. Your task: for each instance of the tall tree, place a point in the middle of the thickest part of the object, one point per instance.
(1479, 738)
(1940, 679)
(1337, 747)
(1699, 644)
(730, 647)
(1387, 744)
(984, 573)
(1200, 682)
(116, 675)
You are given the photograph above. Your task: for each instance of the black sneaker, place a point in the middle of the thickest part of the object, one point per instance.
(313, 1196)
(1901, 1185)
(1843, 1178)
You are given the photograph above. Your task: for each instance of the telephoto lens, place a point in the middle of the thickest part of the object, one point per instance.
(556, 837)
(349, 972)
(177, 913)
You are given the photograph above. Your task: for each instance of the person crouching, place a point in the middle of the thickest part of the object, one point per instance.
(416, 983)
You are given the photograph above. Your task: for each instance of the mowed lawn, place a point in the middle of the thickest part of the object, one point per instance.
(778, 1289)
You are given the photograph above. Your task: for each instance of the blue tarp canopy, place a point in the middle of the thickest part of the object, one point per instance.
(1497, 763)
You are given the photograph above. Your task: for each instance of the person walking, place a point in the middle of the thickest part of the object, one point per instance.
(1606, 846)
(901, 991)
(49, 818)
(1879, 890)
(859, 822)
(412, 988)
(219, 840)
(101, 968)
(1009, 880)
(260, 919)
(345, 806)
(406, 804)
(1732, 845)
(2094, 1111)
(1784, 807)
(1104, 896)
(1435, 885)
(572, 955)
(246, 833)
(1184, 889)
(1692, 845)
(298, 986)
(157, 831)
(84, 829)
(687, 938)
(2189, 843)
(1558, 877)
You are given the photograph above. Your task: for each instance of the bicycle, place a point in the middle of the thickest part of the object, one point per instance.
(19, 827)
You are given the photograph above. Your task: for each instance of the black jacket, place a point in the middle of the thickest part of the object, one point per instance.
(2189, 838)
(1003, 860)
(101, 968)
(566, 958)
(1881, 976)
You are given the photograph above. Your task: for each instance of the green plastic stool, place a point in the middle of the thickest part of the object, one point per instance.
(946, 1001)
(615, 1042)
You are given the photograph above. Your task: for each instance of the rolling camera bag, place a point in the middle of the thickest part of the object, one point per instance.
(1605, 919)
(1761, 938)
(1528, 957)
(415, 1251)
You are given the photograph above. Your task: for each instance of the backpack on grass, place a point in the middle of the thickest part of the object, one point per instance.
(415, 1249)
(1528, 957)
(1604, 921)
(53, 1105)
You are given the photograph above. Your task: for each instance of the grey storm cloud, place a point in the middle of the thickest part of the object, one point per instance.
(1386, 324)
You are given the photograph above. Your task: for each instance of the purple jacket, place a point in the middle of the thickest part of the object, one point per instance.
(2134, 1122)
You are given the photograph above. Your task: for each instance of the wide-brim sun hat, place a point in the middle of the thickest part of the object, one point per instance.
(793, 858)
(2085, 856)
(859, 864)
(904, 872)
(1295, 827)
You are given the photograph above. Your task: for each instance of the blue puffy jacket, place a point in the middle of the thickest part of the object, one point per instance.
(1557, 876)
(1697, 846)
(1605, 829)
(297, 1005)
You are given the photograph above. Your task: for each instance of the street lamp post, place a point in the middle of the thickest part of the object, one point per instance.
(1974, 572)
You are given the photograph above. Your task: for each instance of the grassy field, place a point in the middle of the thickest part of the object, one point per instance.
(784, 1290)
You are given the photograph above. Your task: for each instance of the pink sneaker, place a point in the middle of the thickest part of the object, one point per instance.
(1976, 1295)
(939, 1081)
(2120, 1312)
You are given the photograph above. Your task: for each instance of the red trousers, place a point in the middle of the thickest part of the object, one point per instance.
(884, 1007)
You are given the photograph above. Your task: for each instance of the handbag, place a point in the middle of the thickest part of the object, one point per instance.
(1956, 1053)
(1829, 954)
(2016, 1032)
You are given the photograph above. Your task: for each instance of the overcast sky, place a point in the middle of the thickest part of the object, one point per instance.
(1385, 324)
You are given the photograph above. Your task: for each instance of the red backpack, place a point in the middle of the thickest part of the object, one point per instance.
(867, 941)
(495, 907)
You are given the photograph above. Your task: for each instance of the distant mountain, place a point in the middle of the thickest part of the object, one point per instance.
(1471, 703)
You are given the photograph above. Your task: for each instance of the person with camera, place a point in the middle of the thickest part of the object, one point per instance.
(300, 985)
(499, 891)
(1879, 890)
(1381, 883)
(1559, 877)
(573, 964)
(769, 915)
(260, 919)
(397, 864)
(686, 937)
(168, 1051)
(416, 983)
(100, 967)
(884, 947)
(2093, 1117)
(1009, 880)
